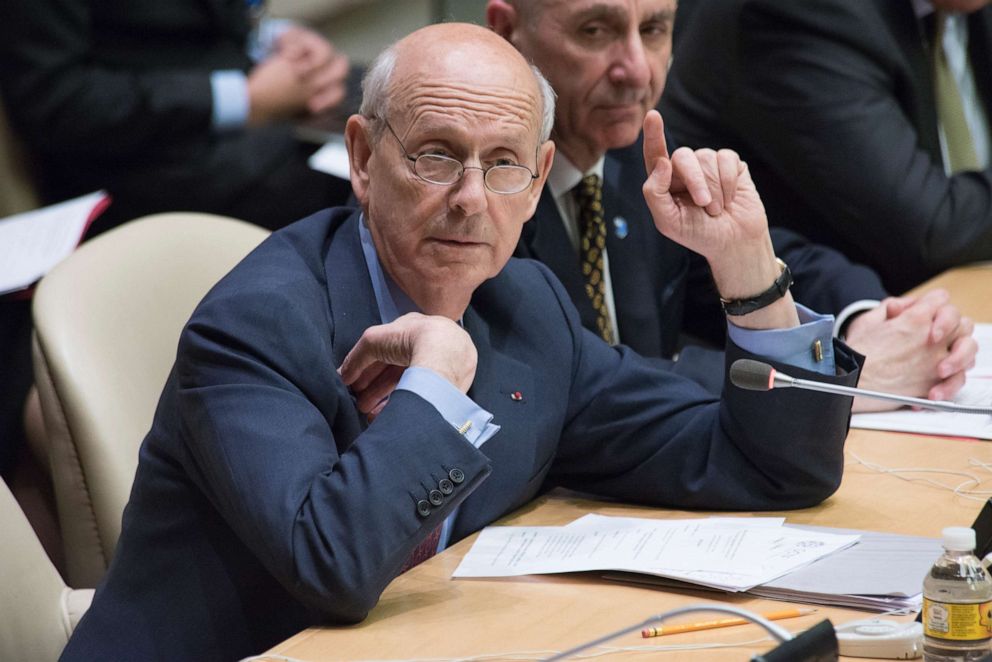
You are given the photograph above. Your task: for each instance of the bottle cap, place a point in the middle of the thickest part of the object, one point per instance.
(958, 539)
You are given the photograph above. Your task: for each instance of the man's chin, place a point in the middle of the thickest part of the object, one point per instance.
(621, 134)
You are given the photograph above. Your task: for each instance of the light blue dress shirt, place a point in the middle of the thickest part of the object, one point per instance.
(791, 346)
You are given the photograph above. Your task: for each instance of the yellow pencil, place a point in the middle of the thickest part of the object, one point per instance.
(723, 622)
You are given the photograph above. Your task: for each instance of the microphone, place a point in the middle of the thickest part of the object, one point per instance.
(757, 376)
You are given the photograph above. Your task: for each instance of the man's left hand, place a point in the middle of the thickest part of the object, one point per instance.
(324, 68)
(919, 346)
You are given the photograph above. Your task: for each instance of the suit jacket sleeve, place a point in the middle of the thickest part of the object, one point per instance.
(276, 445)
(824, 279)
(645, 434)
(63, 100)
(816, 93)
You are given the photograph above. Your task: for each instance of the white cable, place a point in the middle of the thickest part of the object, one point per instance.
(961, 490)
(777, 631)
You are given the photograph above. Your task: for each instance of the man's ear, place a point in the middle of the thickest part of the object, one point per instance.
(545, 157)
(502, 18)
(357, 139)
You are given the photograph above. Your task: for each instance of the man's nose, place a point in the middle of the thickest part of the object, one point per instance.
(468, 194)
(631, 64)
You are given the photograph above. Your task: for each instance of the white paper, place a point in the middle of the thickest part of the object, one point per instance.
(33, 242)
(594, 520)
(732, 557)
(977, 391)
(332, 158)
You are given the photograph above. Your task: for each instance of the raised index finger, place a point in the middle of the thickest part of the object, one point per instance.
(655, 146)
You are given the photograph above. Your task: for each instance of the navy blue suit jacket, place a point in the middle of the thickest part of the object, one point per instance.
(664, 292)
(264, 504)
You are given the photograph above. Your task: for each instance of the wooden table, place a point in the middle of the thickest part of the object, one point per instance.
(427, 614)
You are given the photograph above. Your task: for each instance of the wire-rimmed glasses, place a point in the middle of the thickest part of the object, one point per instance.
(505, 179)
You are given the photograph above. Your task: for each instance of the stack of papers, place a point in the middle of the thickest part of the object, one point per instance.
(731, 554)
(882, 572)
(977, 391)
(841, 567)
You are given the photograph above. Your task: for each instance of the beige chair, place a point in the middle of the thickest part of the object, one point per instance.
(107, 321)
(37, 612)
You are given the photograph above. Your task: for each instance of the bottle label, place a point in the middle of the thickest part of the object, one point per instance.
(958, 622)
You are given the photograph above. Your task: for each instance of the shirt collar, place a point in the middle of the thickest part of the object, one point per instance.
(923, 8)
(564, 176)
(391, 300)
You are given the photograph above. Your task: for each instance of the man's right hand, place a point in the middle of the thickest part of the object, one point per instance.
(376, 362)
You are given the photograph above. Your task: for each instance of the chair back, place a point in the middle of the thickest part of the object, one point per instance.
(107, 323)
(38, 612)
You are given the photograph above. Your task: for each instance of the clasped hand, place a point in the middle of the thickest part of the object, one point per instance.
(375, 364)
(303, 74)
(919, 346)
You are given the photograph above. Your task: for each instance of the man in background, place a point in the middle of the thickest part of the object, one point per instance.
(370, 386)
(182, 105)
(866, 124)
(607, 60)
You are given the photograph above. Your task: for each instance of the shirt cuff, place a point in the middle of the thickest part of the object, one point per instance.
(809, 345)
(852, 309)
(230, 99)
(462, 413)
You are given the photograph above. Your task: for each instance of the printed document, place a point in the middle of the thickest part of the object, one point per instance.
(726, 553)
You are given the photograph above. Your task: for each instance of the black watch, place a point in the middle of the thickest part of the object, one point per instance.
(769, 296)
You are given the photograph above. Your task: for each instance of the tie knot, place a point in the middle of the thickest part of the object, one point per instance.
(589, 188)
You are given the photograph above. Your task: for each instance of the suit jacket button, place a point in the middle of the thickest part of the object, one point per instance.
(435, 497)
(423, 508)
(457, 476)
(446, 486)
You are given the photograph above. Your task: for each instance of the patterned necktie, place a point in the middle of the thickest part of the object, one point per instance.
(950, 109)
(423, 551)
(589, 195)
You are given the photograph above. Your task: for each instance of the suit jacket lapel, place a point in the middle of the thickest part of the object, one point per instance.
(915, 45)
(544, 239)
(632, 265)
(349, 288)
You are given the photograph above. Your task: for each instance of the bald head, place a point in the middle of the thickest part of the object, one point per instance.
(456, 56)
(448, 158)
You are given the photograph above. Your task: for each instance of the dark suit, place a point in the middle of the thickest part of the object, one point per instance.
(831, 104)
(661, 290)
(116, 94)
(263, 504)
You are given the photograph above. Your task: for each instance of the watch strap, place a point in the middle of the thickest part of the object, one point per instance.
(766, 298)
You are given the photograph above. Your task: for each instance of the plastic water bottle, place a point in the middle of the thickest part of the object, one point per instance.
(957, 601)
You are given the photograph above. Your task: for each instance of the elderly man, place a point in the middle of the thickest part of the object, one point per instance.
(372, 385)
(607, 60)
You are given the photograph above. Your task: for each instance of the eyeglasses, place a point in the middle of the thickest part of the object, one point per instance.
(445, 171)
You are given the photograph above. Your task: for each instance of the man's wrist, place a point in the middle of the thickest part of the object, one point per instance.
(777, 290)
